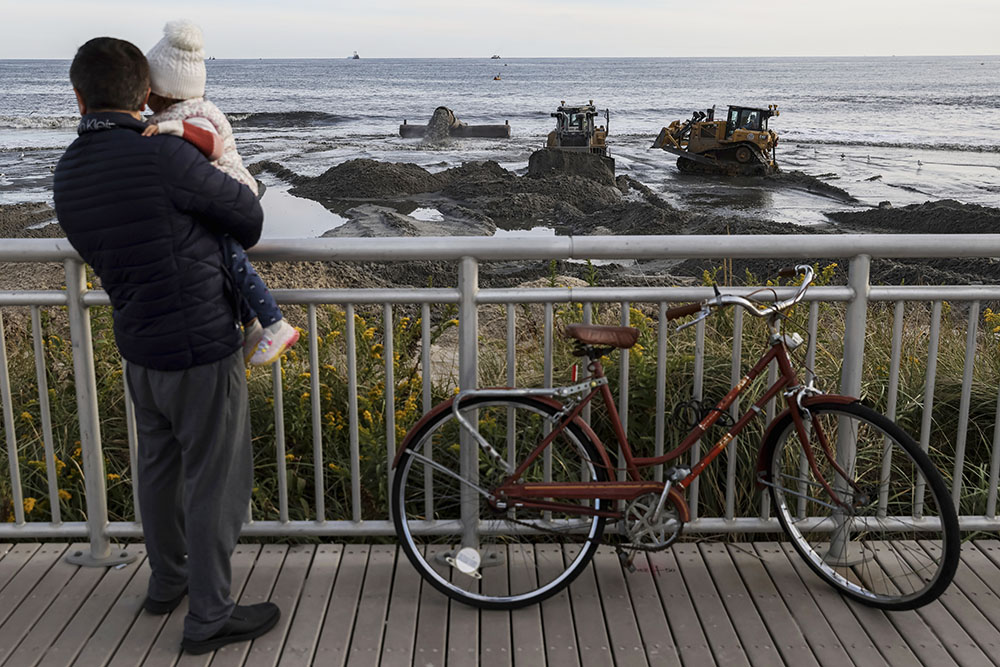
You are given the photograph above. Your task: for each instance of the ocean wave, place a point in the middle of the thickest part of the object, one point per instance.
(286, 119)
(918, 145)
(33, 122)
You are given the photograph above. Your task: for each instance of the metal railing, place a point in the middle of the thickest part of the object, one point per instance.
(468, 297)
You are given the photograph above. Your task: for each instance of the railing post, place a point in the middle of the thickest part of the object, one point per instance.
(468, 377)
(100, 553)
(856, 320)
(854, 328)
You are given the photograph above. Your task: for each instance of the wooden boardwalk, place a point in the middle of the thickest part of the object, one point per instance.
(695, 604)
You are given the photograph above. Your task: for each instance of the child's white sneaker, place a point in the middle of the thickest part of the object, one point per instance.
(252, 334)
(277, 338)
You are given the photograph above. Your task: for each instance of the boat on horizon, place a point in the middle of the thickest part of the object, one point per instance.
(494, 57)
(355, 56)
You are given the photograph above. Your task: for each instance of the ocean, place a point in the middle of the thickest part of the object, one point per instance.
(898, 129)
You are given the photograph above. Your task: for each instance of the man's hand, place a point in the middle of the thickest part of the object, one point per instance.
(151, 130)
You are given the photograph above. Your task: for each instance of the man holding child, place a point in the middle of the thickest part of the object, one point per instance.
(148, 214)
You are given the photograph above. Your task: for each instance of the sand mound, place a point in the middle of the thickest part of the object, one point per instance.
(548, 162)
(367, 179)
(802, 181)
(946, 216)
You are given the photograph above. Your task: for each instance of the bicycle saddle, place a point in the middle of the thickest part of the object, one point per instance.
(594, 334)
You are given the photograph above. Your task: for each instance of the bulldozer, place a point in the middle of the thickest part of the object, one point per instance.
(740, 145)
(577, 131)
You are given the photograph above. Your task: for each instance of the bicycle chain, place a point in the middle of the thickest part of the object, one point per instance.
(580, 540)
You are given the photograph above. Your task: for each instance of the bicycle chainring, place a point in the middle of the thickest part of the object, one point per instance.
(645, 532)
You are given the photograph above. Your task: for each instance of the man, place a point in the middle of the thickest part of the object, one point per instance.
(147, 214)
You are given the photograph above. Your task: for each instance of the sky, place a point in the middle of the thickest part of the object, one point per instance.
(515, 28)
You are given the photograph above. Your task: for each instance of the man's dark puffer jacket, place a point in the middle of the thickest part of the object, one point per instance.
(147, 213)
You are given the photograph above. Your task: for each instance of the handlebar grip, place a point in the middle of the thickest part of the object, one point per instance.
(681, 311)
(787, 272)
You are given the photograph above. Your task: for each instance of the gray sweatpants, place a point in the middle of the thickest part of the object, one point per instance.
(195, 473)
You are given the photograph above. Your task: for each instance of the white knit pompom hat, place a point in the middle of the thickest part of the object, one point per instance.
(177, 62)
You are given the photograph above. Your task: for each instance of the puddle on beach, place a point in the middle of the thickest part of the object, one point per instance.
(287, 216)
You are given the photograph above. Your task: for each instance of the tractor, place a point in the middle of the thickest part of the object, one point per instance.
(740, 145)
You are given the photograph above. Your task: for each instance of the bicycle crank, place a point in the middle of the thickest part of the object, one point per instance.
(649, 530)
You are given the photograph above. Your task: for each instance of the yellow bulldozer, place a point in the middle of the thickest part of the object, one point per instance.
(577, 131)
(740, 145)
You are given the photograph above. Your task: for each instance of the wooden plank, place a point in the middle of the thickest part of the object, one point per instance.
(26, 612)
(335, 637)
(96, 606)
(13, 560)
(977, 577)
(972, 619)
(649, 615)
(266, 650)
(838, 614)
(4, 548)
(588, 616)
(115, 627)
(366, 643)
(780, 623)
(760, 646)
(626, 644)
(901, 637)
(494, 626)
(257, 589)
(463, 627)
(27, 578)
(404, 605)
(243, 561)
(527, 639)
(65, 601)
(939, 621)
(809, 618)
(304, 631)
(561, 647)
(715, 621)
(432, 626)
(690, 640)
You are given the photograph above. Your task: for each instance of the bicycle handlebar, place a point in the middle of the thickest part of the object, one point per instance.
(730, 300)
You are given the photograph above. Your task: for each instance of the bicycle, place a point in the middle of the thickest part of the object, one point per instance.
(500, 497)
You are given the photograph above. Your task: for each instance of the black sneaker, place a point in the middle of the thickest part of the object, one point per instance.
(246, 623)
(160, 607)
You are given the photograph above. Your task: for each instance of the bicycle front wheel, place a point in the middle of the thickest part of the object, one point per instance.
(872, 515)
(460, 541)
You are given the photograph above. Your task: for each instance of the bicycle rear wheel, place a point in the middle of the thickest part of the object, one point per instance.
(495, 558)
(888, 536)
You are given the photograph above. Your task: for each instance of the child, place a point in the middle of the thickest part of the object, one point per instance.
(177, 80)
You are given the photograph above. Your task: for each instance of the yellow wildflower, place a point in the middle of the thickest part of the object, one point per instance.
(329, 367)
(452, 322)
(333, 466)
(306, 375)
(26, 416)
(29, 505)
(64, 494)
(305, 396)
(113, 477)
(289, 457)
(368, 416)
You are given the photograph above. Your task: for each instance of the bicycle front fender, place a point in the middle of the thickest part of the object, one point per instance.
(447, 406)
(806, 402)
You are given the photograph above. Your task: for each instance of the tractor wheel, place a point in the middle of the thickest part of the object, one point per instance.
(744, 154)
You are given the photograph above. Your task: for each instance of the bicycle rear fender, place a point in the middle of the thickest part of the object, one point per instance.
(806, 402)
(446, 406)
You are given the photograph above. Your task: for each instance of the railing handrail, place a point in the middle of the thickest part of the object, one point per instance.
(778, 246)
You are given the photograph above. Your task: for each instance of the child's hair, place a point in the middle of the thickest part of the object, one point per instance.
(110, 73)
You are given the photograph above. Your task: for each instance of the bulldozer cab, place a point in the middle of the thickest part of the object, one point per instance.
(746, 118)
(576, 129)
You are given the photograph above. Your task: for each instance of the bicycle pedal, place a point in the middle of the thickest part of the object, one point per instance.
(627, 561)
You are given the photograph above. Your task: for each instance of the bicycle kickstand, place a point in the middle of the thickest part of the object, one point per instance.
(626, 559)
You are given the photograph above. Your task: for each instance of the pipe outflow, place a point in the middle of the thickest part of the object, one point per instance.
(444, 124)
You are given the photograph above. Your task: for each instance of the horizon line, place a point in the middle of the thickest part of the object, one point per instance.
(893, 55)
